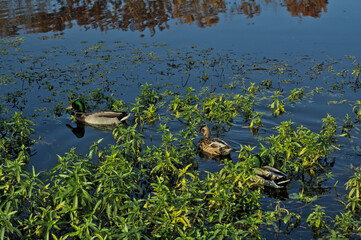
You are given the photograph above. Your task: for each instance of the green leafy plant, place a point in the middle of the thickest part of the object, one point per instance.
(256, 123)
(298, 149)
(219, 109)
(357, 109)
(329, 128)
(150, 114)
(282, 215)
(354, 196)
(347, 127)
(316, 220)
(16, 137)
(245, 104)
(296, 94)
(277, 106)
(138, 112)
(356, 71)
(149, 95)
(346, 224)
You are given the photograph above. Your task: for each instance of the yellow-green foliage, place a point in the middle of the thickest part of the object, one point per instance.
(298, 149)
(354, 196)
(15, 137)
(133, 192)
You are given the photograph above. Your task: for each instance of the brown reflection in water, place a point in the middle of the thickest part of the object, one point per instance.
(41, 16)
(310, 8)
(247, 8)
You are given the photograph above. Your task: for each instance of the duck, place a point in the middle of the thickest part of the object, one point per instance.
(212, 147)
(267, 176)
(99, 118)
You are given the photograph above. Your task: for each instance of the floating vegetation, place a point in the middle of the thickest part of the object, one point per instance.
(149, 181)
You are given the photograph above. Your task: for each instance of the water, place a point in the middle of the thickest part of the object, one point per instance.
(253, 33)
(266, 27)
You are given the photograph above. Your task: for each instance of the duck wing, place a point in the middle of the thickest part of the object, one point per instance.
(271, 174)
(218, 143)
(104, 117)
(274, 171)
(221, 145)
(109, 114)
(265, 182)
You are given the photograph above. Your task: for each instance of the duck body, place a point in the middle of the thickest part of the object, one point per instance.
(101, 117)
(268, 176)
(97, 118)
(214, 147)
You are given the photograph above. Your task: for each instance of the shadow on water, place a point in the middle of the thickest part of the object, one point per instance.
(136, 16)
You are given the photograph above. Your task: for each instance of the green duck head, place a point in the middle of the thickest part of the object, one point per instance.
(78, 106)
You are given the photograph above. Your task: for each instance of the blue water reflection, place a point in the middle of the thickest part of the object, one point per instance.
(247, 26)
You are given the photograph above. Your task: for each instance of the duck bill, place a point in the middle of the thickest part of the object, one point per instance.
(70, 107)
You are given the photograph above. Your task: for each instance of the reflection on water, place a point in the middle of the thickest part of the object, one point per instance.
(41, 16)
(78, 131)
(300, 8)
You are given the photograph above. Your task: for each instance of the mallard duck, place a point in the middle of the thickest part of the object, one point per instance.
(214, 147)
(97, 118)
(268, 176)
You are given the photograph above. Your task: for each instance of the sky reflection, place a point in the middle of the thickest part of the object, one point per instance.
(41, 16)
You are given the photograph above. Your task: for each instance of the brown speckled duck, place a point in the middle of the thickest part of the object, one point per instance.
(268, 176)
(97, 118)
(214, 147)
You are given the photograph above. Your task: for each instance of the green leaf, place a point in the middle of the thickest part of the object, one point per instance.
(221, 215)
(287, 218)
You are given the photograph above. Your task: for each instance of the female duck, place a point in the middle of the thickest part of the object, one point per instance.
(214, 147)
(97, 118)
(268, 176)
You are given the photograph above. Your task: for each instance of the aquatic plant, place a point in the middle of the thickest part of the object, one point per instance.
(357, 109)
(129, 190)
(277, 106)
(354, 195)
(282, 216)
(317, 221)
(245, 104)
(256, 123)
(16, 137)
(295, 94)
(298, 149)
(219, 109)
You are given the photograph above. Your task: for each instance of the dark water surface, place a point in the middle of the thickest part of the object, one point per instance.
(268, 34)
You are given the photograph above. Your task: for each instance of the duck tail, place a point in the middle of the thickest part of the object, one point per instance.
(226, 151)
(123, 116)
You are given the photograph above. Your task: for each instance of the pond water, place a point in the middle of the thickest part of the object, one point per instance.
(260, 26)
(122, 45)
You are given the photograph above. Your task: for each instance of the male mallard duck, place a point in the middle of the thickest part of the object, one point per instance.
(97, 118)
(268, 176)
(214, 147)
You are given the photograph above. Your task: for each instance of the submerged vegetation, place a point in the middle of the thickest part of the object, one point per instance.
(146, 185)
